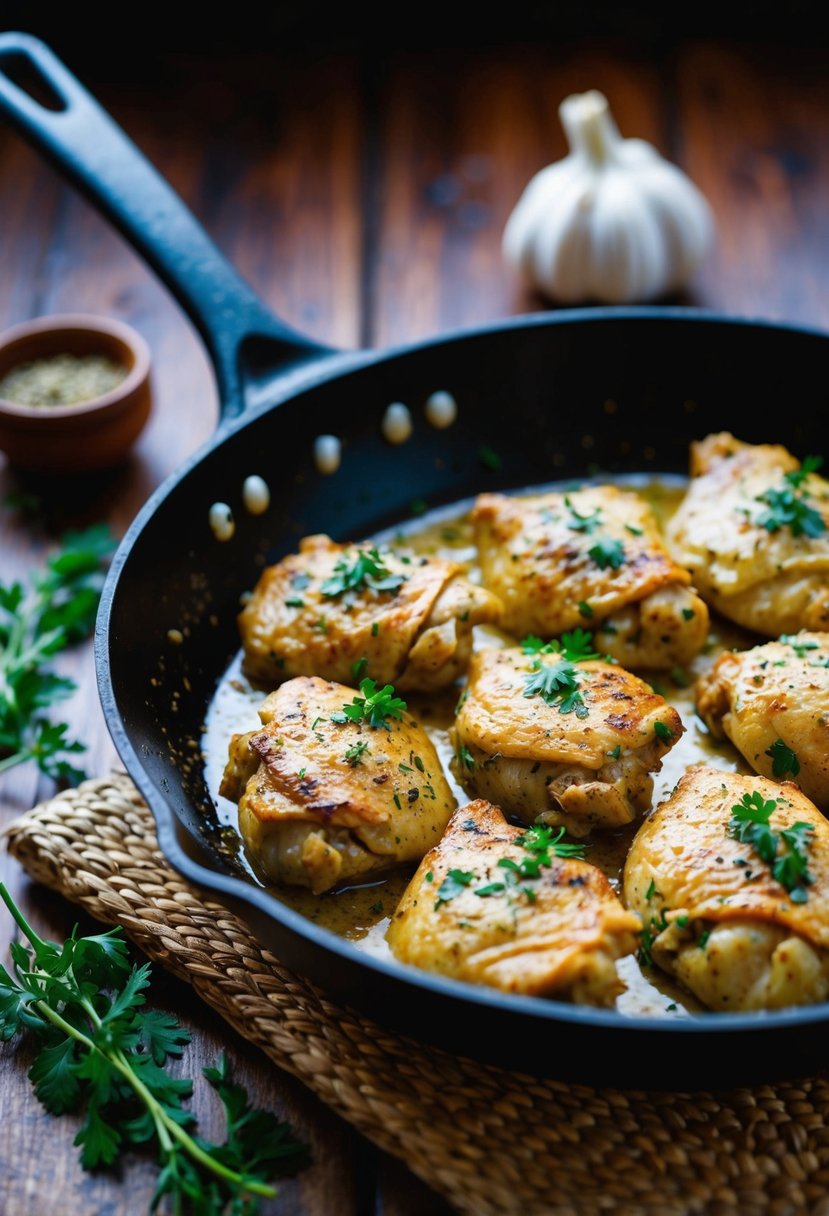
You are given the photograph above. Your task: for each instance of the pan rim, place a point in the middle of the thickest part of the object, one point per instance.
(539, 1010)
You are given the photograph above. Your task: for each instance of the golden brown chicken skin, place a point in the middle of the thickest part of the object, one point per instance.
(594, 555)
(716, 916)
(555, 935)
(338, 610)
(772, 702)
(324, 802)
(579, 751)
(730, 531)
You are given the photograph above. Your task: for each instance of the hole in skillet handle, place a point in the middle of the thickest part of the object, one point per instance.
(24, 72)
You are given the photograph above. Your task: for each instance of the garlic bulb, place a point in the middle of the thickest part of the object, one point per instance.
(613, 221)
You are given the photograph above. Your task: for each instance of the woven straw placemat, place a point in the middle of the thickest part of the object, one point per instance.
(491, 1141)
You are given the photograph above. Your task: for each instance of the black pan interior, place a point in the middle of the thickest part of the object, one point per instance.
(557, 397)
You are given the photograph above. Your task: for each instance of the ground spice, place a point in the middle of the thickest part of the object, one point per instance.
(61, 380)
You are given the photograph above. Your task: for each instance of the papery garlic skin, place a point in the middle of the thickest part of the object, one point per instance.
(613, 222)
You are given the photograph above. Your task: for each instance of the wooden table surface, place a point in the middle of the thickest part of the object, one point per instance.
(365, 201)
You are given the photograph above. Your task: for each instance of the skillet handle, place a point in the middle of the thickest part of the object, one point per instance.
(88, 146)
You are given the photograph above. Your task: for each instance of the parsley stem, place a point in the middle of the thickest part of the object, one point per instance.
(18, 758)
(159, 1115)
(18, 917)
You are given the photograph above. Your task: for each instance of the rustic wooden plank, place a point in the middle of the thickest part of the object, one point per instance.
(460, 138)
(753, 130)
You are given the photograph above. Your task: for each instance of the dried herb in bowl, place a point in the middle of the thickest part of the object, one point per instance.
(62, 379)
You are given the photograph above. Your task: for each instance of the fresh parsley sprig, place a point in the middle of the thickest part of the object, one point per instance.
(36, 622)
(575, 646)
(103, 1054)
(788, 505)
(784, 760)
(785, 852)
(366, 569)
(375, 706)
(556, 683)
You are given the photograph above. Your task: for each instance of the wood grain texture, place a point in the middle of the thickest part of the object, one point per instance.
(364, 198)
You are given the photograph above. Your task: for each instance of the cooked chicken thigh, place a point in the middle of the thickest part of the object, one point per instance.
(595, 555)
(715, 915)
(471, 914)
(324, 800)
(772, 702)
(340, 610)
(567, 743)
(753, 532)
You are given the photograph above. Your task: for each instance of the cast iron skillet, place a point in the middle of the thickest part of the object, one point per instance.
(554, 395)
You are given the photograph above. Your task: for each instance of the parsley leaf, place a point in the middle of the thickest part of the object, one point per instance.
(607, 553)
(788, 505)
(556, 683)
(783, 759)
(575, 646)
(799, 647)
(375, 706)
(452, 885)
(465, 757)
(582, 523)
(56, 610)
(354, 755)
(663, 731)
(102, 1055)
(786, 853)
(366, 569)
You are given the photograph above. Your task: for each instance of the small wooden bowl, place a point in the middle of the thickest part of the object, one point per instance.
(92, 434)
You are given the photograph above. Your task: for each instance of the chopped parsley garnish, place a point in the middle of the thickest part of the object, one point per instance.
(375, 706)
(634, 531)
(358, 668)
(688, 614)
(556, 683)
(489, 459)
(465, 757)
(663, 731)
(786, 852)
(452, 885)
(377, 907)
(584, 608)
(648, 935)
(542, 844)
(543, 841)
(607, 553)
(651, 891)
(800, 648)
(366, 569)
(615, 752)
(573, 647)
(788, 505)
(783, 759)
(354, 755)
(702, 940)
(582, 523)
(296, 602)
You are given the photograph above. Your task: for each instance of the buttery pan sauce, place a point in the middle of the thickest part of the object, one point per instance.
(362, 913)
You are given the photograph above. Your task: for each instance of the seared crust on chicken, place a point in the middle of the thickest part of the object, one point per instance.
(323, 803)
(718, 919)
(536, 557)
(412, 624)
(560, 940)
(537, 758)
(772, 581)
(773, 701)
